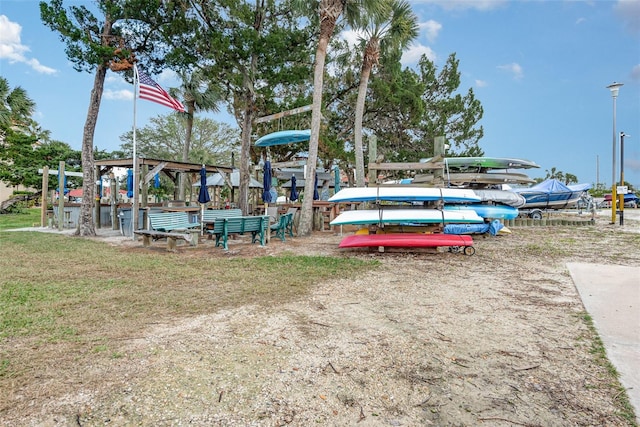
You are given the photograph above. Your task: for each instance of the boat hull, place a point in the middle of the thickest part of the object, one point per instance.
(487, 178)
(487, 211)
(550, 200)
(404, 194)
(467, 163)
(284, 137)
(405, 216)
(405, 240)
(552, 194)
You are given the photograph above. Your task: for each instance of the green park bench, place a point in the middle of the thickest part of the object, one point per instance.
(171, 221)
(171, 226)
(223, 227)
(283, 227)
(209, 216)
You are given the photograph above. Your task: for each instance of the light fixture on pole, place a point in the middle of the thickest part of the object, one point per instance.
(614, 88)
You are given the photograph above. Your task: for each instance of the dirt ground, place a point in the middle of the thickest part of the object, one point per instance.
(442, 339)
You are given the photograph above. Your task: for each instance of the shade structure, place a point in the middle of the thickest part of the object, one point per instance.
(129, 183)
(266, 182)
(217, 180)
(316, 196)
(284, 137)
(203, 195)
(300, 183)
(294, 191)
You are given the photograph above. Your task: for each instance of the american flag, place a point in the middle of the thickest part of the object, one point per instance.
(152, 91)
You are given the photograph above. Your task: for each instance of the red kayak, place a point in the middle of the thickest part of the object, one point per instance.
(409, 240)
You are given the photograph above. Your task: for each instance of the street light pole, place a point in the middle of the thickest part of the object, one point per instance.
(614, 88)
(622, 135)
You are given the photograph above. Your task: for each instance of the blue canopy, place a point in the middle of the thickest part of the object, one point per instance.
(316, 196)
(294, 191)
(551, 186)
(284, 137)
(65, 190)
(580, 187)
(266, 183)
(129, 183)
(336, 185)
(203, 195)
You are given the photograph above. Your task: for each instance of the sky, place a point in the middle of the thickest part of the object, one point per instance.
(539, 68)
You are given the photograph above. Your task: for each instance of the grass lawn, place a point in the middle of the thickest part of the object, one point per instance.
(24, 218)
(64, 289)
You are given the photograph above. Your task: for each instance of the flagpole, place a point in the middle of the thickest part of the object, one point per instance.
(134, 203)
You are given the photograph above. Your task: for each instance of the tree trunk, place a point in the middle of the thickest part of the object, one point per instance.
(306, 213)
(359, 113)
(186, 148)
(243, 193)
(330, 11)
(86, 226)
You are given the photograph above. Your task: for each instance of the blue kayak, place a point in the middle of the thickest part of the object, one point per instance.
(284, 137)
(487, 211)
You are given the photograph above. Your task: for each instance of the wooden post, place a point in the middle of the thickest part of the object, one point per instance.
(266, 212)
(45, 189)
(144, 191)
(113, 201)
(60, 196)
(98, 197)
(373, 156)
(438, 150)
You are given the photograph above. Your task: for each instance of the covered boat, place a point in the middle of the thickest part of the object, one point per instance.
(552, 194)
(505, 197)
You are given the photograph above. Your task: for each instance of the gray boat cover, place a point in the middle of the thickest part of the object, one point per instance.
(505, 197)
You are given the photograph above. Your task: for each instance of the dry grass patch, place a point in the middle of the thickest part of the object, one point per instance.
(58, 291)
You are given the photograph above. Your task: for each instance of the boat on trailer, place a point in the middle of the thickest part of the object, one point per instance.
(552, 194)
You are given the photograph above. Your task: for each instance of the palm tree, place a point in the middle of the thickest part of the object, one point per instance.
(199, 94)
(329, 12)
(554, 174)
(385, 32)
(16, 108)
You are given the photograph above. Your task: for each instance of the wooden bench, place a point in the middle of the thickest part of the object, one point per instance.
(171, 226)
(223, 227)
(191, 236)
(283, 226)
(171, 221)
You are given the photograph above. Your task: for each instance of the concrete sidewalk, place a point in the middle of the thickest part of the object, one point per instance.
(611, 296)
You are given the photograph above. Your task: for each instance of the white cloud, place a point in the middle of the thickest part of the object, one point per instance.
(431, 28)
(114, 78)
(414, 53)
(118, 95)
(514, 68)
(351, 37)
(629, 12)
(12, 49)
(167, 76)
(481, 83)
(635, 73)
(464, 4)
